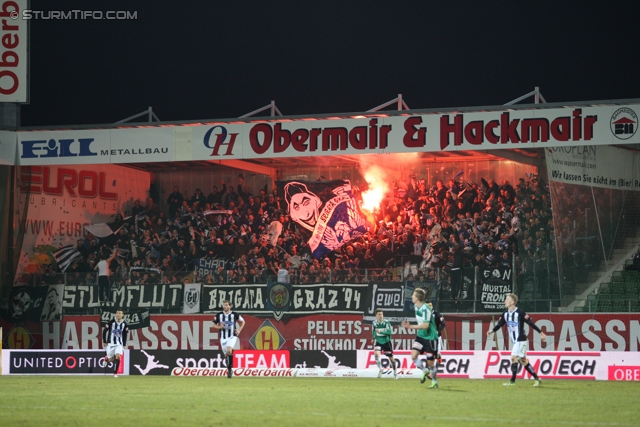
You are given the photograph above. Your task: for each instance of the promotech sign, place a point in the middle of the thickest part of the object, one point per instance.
(567, 365)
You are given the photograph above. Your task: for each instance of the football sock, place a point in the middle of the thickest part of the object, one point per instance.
(529, 369)
(434, 373)
(117, 365)
(378, 363)
(230, 361)
(393, 364)
(422, 365)
(514, 372)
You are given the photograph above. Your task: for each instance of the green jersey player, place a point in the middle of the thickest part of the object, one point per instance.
(381, 340)
(426, 341)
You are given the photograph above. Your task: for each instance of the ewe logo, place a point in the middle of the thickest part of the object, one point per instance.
(624, 123)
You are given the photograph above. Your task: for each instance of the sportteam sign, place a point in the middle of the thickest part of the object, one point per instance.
(401, 132)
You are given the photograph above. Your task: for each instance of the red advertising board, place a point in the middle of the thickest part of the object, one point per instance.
(565, 332)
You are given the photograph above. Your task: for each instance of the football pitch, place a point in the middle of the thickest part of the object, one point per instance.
(218, 401)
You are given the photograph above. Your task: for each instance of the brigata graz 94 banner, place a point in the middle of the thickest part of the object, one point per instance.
(516, 127)
(568, 332)
(303, 299)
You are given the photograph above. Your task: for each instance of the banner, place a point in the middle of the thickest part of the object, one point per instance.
(393, 298)
(14, 67)
(278, 299)
(595, 166)
(191, 299)
(610, 365)
(52, 305)
(565, 332)
(206, 266)
(304, 299)
(61, 200)
(136, 320)
(128, 297)
(96, 146)
(327, 210)
(59, 362)
(496, 285)
(24, 304)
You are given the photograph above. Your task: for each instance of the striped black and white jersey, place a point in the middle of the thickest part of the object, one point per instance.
(228, 322)
(115, 333)
(515, 321)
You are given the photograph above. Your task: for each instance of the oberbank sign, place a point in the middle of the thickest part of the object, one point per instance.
(95, 146)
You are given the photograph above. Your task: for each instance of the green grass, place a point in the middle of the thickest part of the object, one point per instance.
(171, 401)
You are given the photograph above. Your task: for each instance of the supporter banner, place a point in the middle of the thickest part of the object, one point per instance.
(61, 200)
(128, 297)
(52, 305)
(496, 284)
(393, 298)
(59, 362)
(14, 68)
(191, 299)
(565, 332)
(136, 320)
(595, 166)
(206, 266)
(305, 299)
(278, 299)
(327, 210)
(24, 303)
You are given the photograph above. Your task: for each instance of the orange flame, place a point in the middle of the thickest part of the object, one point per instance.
(376, 177)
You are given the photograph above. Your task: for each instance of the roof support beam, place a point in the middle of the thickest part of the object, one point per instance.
(247, 166)
(517, 157)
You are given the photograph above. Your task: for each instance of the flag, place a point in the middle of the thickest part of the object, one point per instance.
(65, 256)
(327, 210)
(272, 233)
(106, 229)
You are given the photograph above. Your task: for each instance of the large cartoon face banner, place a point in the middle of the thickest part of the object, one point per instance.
(327, 210)
(60, 201)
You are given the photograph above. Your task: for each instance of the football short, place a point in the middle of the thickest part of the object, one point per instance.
(113, 349)
(386, 348)
(228, 342)
(425, 346)
(520, 349)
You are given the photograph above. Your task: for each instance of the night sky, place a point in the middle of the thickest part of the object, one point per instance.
(211, 59)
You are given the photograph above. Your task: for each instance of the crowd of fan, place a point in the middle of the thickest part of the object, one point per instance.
(420, 233)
